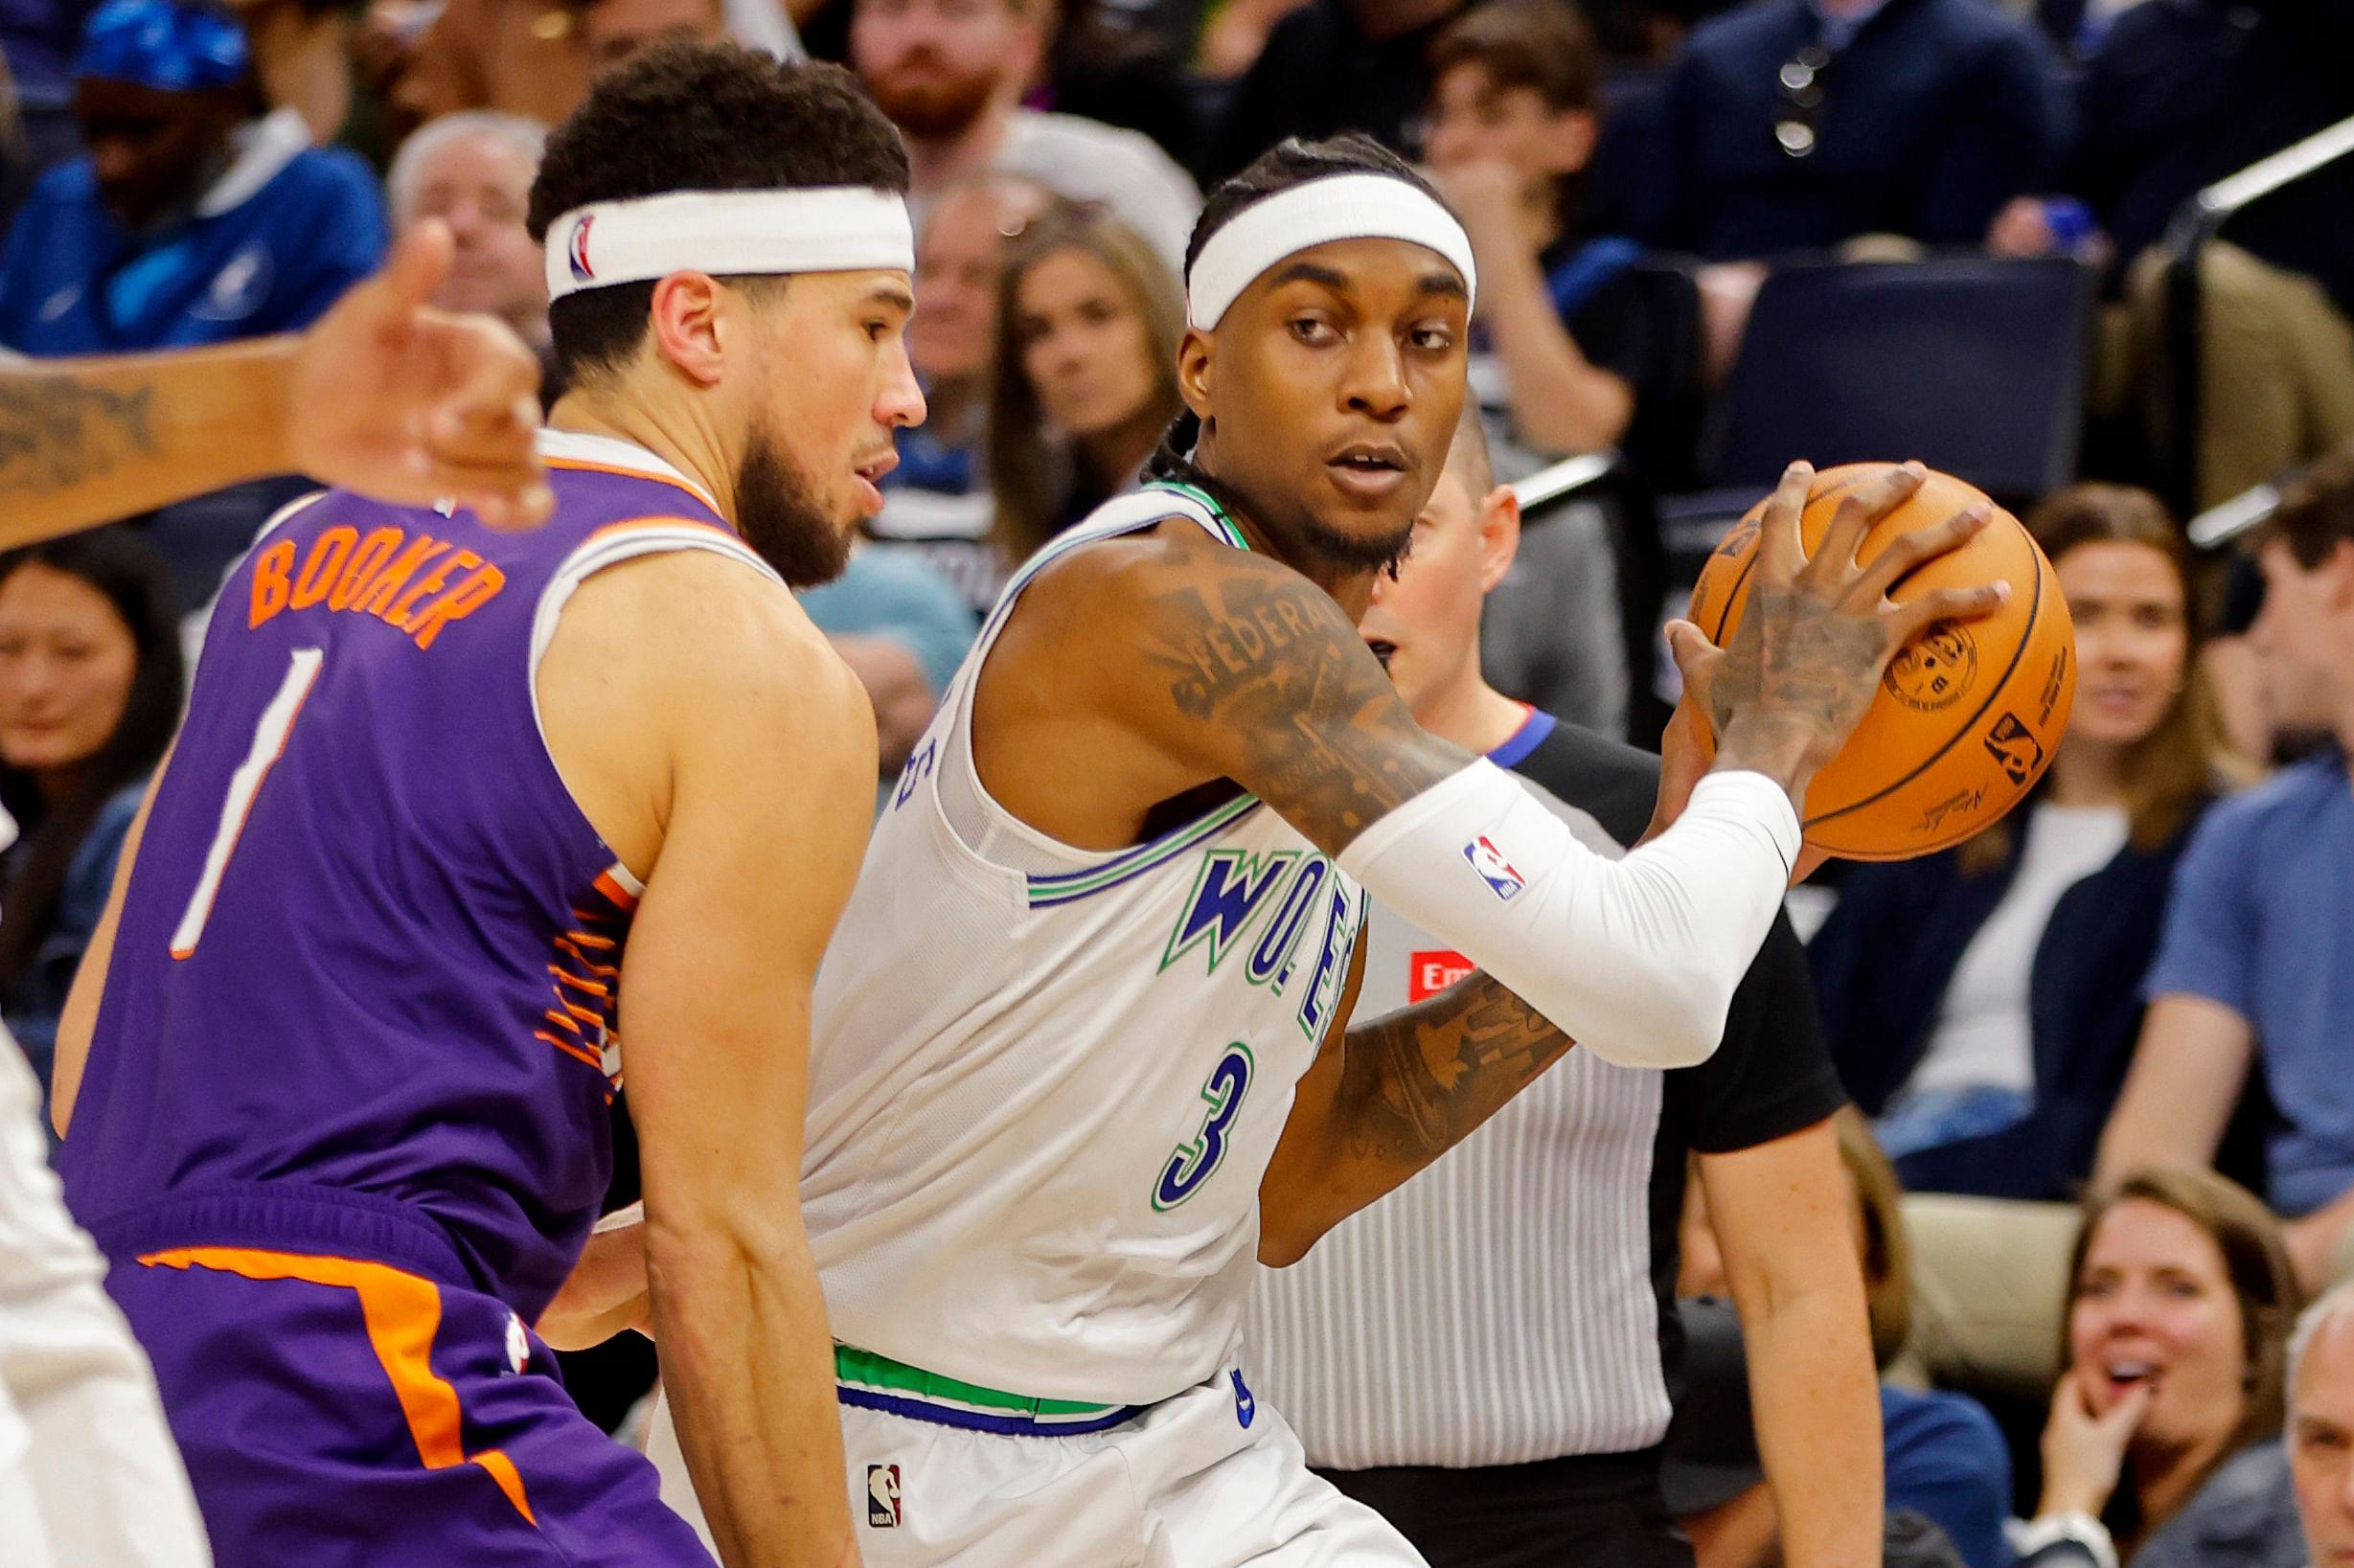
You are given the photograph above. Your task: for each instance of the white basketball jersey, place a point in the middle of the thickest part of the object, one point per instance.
(1046, 1081)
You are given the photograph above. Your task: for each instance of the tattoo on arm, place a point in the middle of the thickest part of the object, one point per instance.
(1416, 1082)
(1288, 696)
(58, 430)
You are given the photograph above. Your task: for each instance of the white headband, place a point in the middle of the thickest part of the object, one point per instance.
(1335, 207)
(754, 233)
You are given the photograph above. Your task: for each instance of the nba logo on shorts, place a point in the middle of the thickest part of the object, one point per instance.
(1492, 868)
(518, 1344)
(576, 250)
(883, 1496)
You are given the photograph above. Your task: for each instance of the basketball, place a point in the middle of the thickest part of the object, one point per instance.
(1967, 715)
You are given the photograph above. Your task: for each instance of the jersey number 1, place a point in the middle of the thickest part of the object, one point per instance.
(269, 742)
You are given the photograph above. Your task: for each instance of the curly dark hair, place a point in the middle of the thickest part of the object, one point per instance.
(697, 117)
(1288, 163)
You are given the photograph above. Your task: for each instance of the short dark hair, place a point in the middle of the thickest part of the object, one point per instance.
(2316, 510)
(697, 117)
(1288, 163)
(1543, 45)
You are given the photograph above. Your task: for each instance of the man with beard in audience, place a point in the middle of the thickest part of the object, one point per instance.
(951, 74)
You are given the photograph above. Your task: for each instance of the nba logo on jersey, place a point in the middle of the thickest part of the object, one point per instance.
(518, 1344)
(883, 1496)
(1492, 868)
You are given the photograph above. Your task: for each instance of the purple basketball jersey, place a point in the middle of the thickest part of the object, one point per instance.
(362, 996)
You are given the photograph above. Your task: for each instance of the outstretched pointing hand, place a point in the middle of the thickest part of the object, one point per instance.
(413, 405)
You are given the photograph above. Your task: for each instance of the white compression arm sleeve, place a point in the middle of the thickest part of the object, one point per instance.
(1634, 959)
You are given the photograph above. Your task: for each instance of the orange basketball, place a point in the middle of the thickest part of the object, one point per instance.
(1968, 713)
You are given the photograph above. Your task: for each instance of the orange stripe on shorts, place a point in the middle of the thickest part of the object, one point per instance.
(401, 1313)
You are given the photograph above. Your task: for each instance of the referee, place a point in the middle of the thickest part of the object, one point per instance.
(1485, 1356)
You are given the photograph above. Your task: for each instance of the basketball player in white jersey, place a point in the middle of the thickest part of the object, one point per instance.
(1080, 1050)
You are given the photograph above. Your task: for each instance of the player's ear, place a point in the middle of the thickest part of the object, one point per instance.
(1195, 354)
(694, 322)
(1500, 534)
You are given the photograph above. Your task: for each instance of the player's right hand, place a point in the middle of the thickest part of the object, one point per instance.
(413, 405)
(1817, 633)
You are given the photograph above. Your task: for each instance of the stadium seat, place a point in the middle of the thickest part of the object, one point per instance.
(1974, 366)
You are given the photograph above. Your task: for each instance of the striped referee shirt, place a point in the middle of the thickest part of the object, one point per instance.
(1514, 1302)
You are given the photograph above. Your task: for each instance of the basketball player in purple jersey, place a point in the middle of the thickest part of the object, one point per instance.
(445, 796)
(397, 399)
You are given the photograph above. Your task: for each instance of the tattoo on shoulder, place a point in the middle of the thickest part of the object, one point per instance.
(1321, 732)
(56, 430)
(1417, 1082)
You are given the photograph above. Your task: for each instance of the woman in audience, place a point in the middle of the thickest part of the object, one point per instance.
(90, 696)
(1088, 319)
(2180, 1299)
(1943, 1458)
(1982, 1004)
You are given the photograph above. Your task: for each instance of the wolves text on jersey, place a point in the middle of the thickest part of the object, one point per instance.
(1234, 887)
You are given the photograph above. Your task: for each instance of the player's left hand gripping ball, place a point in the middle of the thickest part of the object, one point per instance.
(415, 406)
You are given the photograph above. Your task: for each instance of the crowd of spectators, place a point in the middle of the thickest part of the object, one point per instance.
(2133, 992)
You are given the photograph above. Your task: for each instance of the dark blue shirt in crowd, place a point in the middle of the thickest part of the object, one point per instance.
(1934, 115)
(272, 244)
(2184, 92)
(1946, 1460)
(1882, 962)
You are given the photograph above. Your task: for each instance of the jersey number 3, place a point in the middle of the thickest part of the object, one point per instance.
(1192, 1163)
(270, 740)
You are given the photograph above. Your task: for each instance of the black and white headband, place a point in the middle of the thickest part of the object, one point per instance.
(1318, 212)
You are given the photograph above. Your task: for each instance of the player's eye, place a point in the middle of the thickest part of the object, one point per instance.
(1433, 338)
(1313, 330)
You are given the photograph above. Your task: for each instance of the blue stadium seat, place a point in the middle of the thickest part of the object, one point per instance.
(1972, 365)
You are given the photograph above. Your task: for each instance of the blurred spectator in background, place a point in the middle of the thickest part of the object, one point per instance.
(38, 39)
(2180, 94)
(936, 503)
(2256, 964)
(302, 61)
(90, 696)
(1089, 321)
(2320, 1427)
(1792, 126)
(614, 30)
(2181, 1298)
(1234, 34)
(1487, 1355)
(431, 57)
(1510, 125)
(187, 222)
(903, 629)
(952, 73)
(1559, 338)
(1982, 1003)
(1125, 62)
(1331, 66)
(474, 171)
(1943, 1458)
